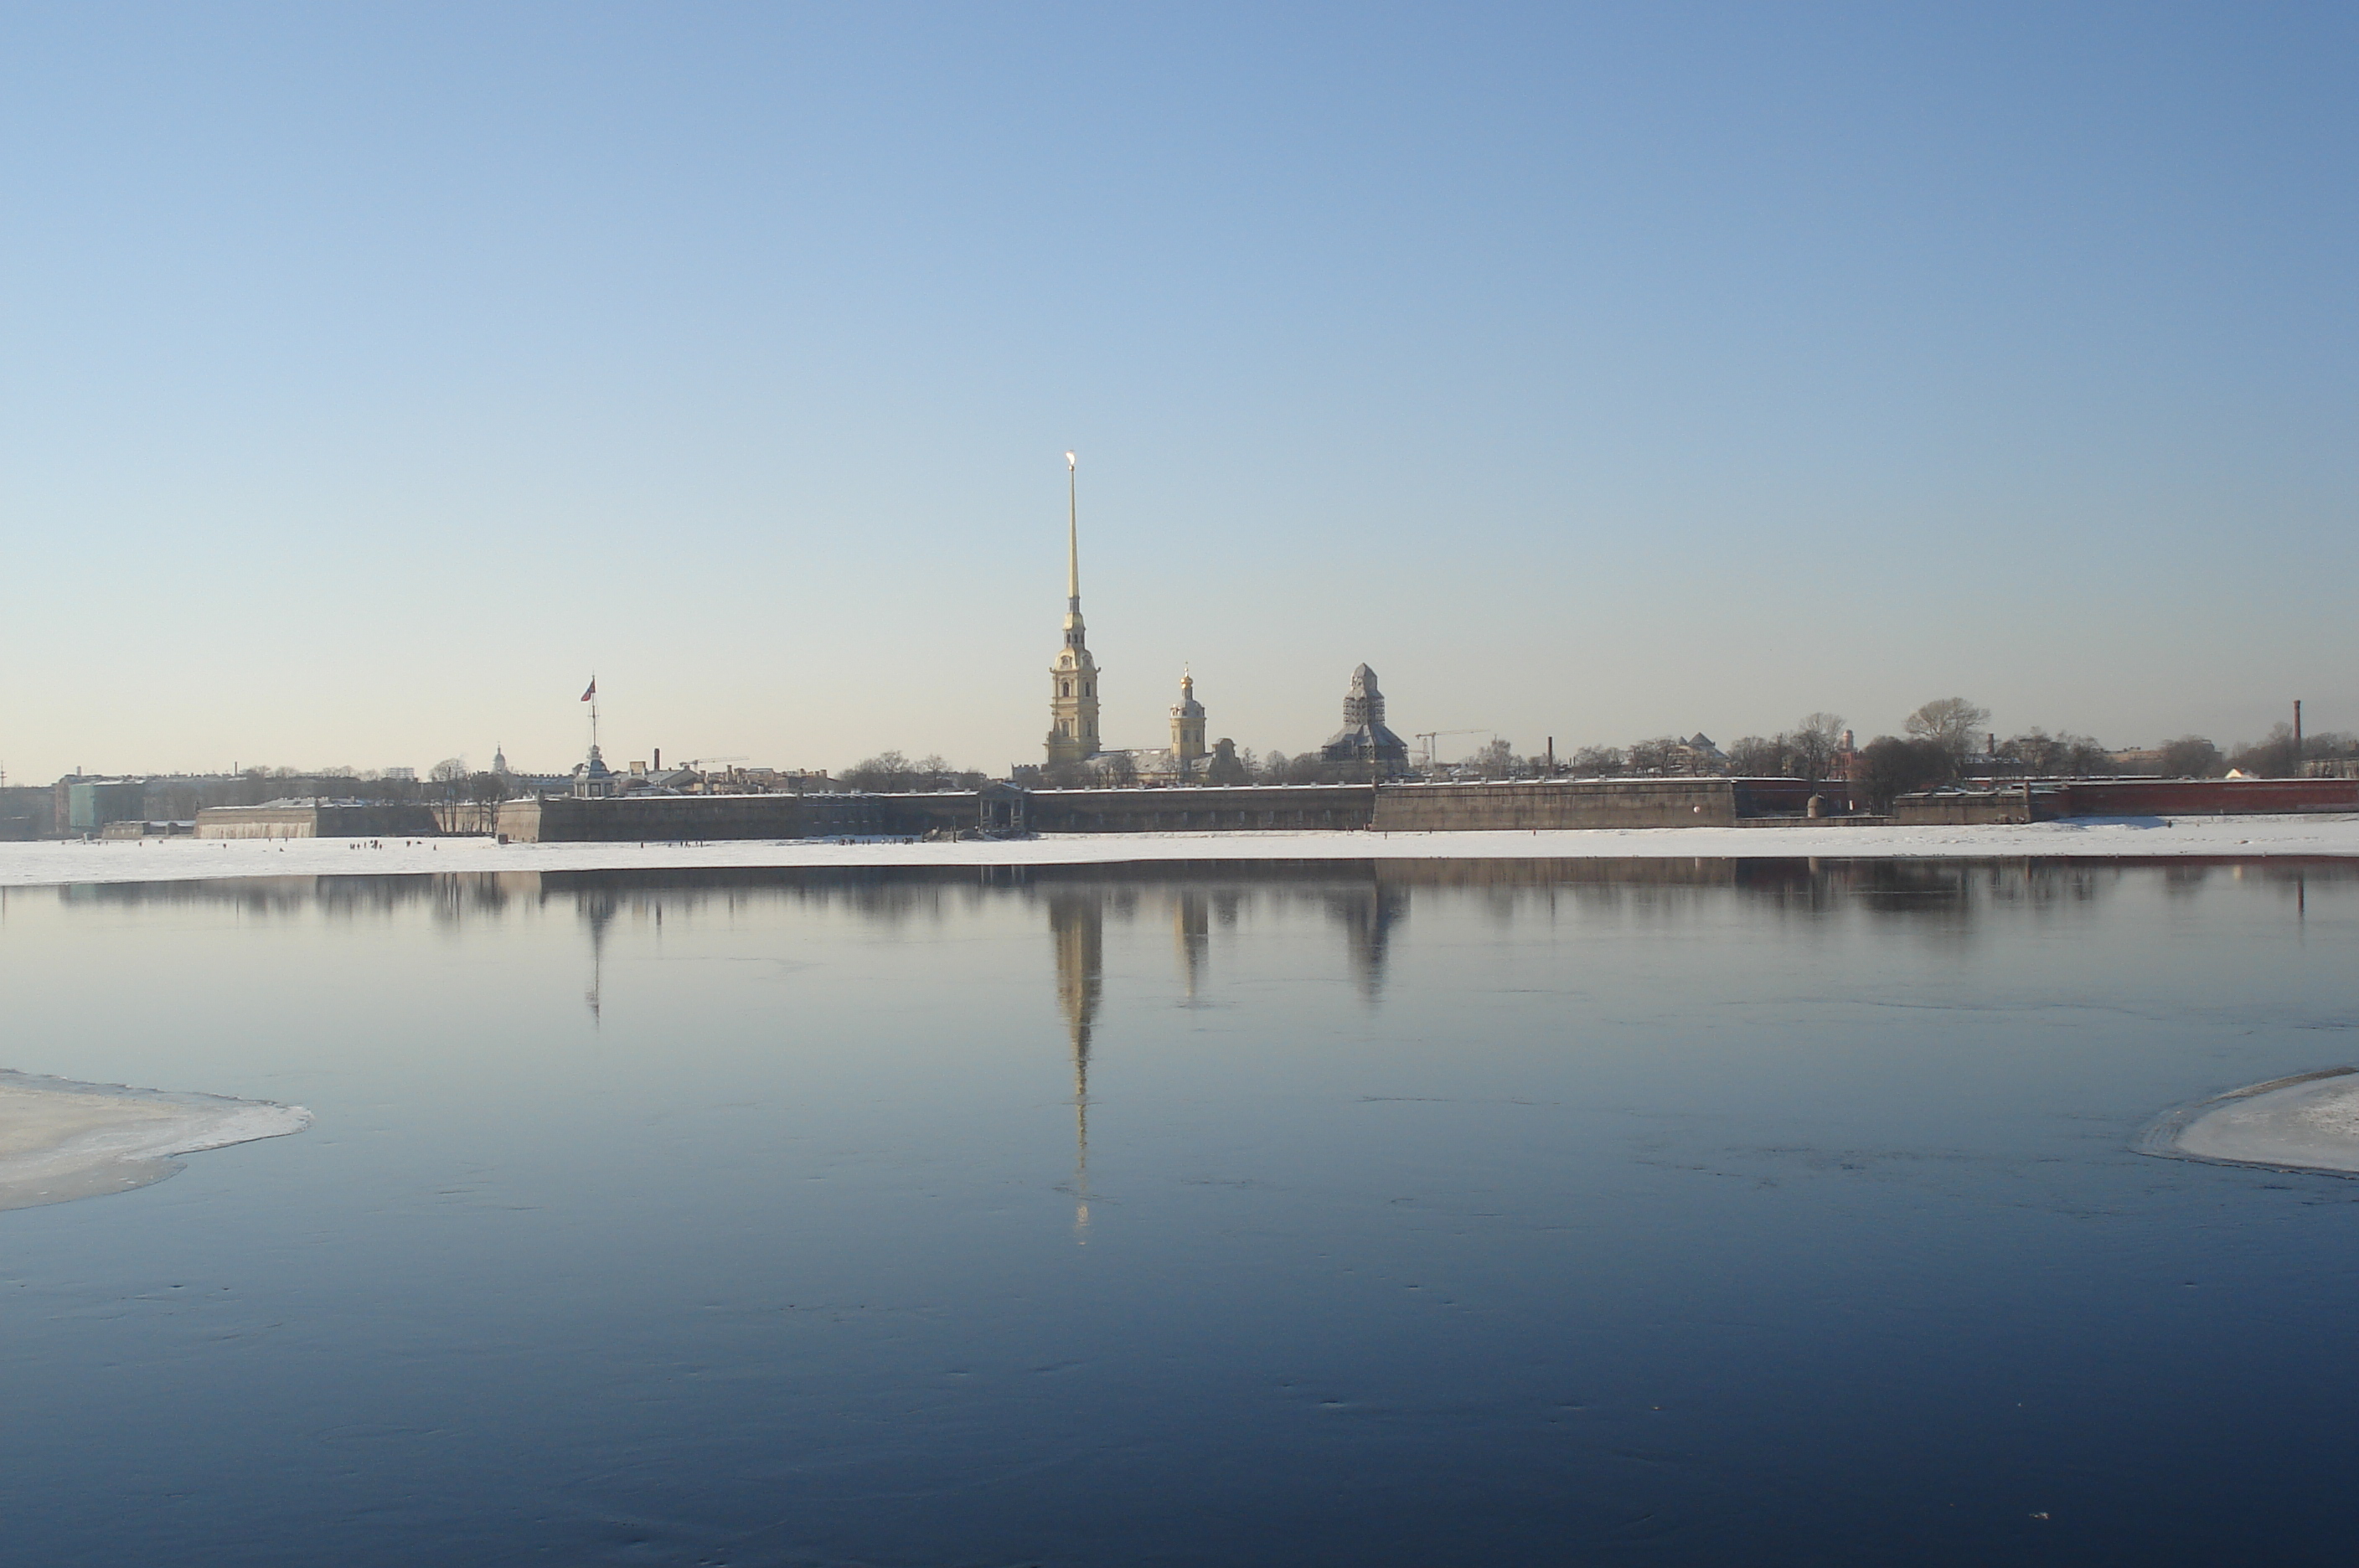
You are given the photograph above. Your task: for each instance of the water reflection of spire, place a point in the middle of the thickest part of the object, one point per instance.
(1368, 915)
(598, 907)
(1077, 929)
(1192, 928)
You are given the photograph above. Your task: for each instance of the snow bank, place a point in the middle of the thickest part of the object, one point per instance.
(173, 860)
(2310, 1122)
(60, 1141)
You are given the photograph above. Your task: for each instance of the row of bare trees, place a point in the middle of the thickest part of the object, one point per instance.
(889, 772)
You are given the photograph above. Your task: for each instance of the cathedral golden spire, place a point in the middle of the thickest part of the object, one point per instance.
(1074, 677)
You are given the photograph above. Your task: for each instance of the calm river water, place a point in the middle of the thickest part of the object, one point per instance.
(1699, 1212)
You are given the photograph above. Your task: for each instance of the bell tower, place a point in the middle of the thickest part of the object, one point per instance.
(1187, 725)
(1074, 677)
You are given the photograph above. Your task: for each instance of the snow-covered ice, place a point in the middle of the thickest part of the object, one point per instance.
(176, 860)
(2310, 1122)
(60, 1141)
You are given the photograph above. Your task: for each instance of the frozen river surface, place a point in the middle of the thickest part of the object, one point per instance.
(1652, 1212)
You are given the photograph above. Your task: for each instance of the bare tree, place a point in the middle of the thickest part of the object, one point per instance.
(1758, 757)
(1951, 722)
(1654, 755)
(1597, 761)
(1889, 767)
(2191, 757)
(2086, 756)
(884, 773)
(1812, 744)
(1495, 760)
(2060, 755)
(2276, 758)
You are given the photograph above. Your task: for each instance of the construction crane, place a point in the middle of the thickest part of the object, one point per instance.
(697, 762)
(1429, 736)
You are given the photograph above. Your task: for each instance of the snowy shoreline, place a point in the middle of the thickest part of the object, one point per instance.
(60, 1141)
(54, 863)
(2306, 1122)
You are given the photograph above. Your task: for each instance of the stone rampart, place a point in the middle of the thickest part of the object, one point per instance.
(1401, 808)
(570, 818)
(1521, 804)
(2207, 796)
(1956, 807)
(359, 819)
(1272, 806)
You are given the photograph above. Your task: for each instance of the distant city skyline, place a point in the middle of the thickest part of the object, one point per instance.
(376, 376)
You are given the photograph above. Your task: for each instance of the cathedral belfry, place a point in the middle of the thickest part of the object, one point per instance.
(1073, 678)
(1187, 727)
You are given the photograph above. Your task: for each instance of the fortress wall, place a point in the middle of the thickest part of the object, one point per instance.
(938, 811)
(258, 821)
(1517, 806)
(2128, 798)
(1276, 806)
(1511, 806)
(1975, 806)
(2227, 796)
(673, 818)
(1399, 808)
(372, 820)
(1789, 797)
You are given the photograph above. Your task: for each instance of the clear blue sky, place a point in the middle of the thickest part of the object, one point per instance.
(371, 375)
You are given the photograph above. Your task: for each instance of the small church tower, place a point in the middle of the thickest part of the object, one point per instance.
(1074, 677)
(1187, 726)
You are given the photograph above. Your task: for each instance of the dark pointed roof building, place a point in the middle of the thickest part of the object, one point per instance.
(1363, 737)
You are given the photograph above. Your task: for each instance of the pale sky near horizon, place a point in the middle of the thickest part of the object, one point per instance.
(375, 374)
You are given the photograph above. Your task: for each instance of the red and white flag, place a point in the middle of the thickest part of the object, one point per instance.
(594, 689)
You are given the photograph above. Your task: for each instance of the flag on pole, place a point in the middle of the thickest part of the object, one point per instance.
(594, 689)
